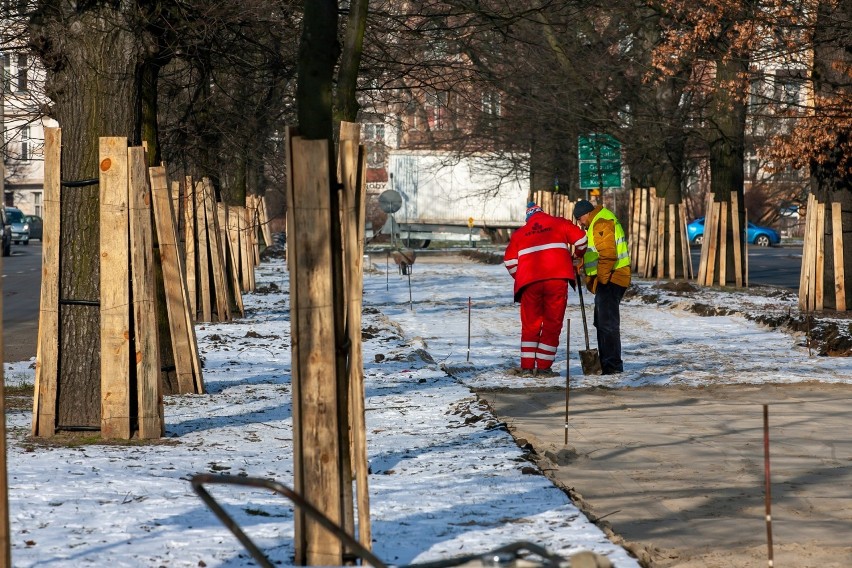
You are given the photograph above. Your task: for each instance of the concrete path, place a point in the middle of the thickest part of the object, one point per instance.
(680, 471)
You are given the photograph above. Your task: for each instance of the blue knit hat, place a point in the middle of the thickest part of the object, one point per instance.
(532, 209)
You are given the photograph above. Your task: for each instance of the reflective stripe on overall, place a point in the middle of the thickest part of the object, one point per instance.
(590, 259)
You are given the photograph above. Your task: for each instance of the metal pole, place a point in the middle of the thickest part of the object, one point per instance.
(768, 490)
(410, 301)
(387, 271)
(567, 373)
(468, 328)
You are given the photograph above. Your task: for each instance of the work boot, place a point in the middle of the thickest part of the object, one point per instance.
(544, 373)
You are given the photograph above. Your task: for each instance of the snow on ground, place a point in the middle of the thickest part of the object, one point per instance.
(447, 479)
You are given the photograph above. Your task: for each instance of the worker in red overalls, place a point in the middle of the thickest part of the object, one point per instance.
(540, 259)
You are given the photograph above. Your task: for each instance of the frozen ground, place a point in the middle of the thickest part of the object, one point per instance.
(447, 479)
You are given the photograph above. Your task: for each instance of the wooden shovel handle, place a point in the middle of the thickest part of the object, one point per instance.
(582, 306)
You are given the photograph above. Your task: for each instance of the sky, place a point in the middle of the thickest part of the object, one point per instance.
(447, 478)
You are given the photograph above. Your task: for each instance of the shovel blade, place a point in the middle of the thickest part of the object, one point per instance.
(591, 362)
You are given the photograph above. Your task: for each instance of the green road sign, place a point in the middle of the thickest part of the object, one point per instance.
(600, 162)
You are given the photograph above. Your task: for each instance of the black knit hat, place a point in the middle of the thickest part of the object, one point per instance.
(582, 207)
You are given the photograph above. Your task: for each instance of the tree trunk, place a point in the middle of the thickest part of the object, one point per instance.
(831, 179)
(318, 55)
(94, 86)
(350, 63)
(727, 155)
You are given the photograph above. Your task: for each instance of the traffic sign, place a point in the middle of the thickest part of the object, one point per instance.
(390, 201)
(600, 162)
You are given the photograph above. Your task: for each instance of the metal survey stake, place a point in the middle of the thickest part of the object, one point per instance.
(468, 328)
(768, 487)
(567, 374)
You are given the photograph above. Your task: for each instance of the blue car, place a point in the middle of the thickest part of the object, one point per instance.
(756, 235)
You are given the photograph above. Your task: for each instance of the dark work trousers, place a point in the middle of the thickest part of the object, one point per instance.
(608, 324)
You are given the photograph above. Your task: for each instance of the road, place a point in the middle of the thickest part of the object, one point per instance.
(21, 290)
(773, 266)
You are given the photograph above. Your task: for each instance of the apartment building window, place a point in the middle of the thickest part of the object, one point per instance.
(788, 88)
(491, 104)
(38, 206)
(7, 72)
(436, 110)
(752, 167)
(22, 73)
(374, 140)
(25, 143)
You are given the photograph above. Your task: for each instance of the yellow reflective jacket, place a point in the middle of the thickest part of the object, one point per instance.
(607, 257)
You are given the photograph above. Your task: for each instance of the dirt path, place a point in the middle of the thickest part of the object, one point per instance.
(678, 471)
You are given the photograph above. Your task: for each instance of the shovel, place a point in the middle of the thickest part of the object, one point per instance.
(589, 359)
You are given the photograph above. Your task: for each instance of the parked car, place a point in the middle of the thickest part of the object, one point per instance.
(756, 235)
(35, 224)
(7, 233)
(20, 230)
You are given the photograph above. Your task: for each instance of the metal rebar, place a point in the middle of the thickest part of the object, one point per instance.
(567, 374)
(767, 485)
(198, 482)
(468, 327)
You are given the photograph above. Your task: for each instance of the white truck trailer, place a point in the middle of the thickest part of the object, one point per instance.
(446, 197)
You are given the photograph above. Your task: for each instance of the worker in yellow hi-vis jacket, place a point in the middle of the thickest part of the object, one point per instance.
(607, 267)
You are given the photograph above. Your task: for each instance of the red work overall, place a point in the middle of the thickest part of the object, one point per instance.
(539, 259)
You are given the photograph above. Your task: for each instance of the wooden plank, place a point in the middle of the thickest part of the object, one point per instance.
(634, 229)
(745, 247)
(705, 249)
(144, 287)
(115, 289)
(661, 237)
(737, 241)
(232, 272)
(263, 210)
(217, 260)
(251, 249)
(299, 517)
(803, 273)
(711, 235)
(672, 236)
(814, 253)
(360, 458)
(234, 238)
(190, 245)
(204, 298)
(313, 360)
(688, 269)
(837, 249)
(643, 231)
(819, 265)
(244, 248)
(176, 295)
(251, 227)
(723, 243)
(177, 199)
(47, 351)
(651, 260)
